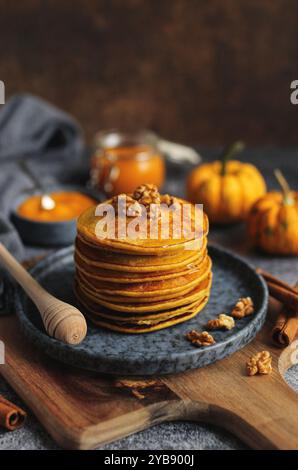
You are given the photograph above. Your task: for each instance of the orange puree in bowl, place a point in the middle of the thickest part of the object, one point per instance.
(68, 205)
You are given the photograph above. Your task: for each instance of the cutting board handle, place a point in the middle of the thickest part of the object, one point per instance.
(61, 320)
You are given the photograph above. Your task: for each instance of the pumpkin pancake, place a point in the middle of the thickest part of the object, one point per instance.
(131, 300)
(153, 288)
(127, 328)
(116, 299)
(87, 229)
(148, 318)
(114, 276)
(194, 295)
(100, 258)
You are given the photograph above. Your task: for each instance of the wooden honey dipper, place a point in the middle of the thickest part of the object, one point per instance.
(62, 321)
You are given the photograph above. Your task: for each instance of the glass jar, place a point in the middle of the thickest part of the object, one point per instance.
(122, 161)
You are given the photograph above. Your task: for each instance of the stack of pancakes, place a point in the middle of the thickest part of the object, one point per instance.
(140, 285)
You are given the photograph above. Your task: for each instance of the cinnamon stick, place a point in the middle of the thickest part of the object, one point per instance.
(274, 280)
(11, 416)
(286, 327)
(286, 294)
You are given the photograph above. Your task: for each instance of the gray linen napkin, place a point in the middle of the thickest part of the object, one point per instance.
(29, 125)
(50, 142)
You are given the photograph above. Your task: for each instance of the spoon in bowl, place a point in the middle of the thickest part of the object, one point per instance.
(47, 203)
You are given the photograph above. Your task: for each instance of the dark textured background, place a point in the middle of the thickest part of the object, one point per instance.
(193, 70)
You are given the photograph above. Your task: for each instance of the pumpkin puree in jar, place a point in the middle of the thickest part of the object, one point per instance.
(122, 169)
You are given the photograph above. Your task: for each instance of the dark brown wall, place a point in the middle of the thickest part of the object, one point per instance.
(197, 71)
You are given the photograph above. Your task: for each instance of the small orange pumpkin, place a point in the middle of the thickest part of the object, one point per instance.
(273, 220)
(227, 188)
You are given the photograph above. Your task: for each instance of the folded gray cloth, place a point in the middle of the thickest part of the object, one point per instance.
(51, 144)
(29, 125)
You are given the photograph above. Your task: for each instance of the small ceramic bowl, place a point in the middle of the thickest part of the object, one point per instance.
(48, 234)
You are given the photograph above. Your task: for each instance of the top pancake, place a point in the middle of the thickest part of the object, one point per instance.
(88, 233)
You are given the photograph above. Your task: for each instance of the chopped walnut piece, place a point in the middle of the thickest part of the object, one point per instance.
(200, 338)
(147, 194)
(138, 387)
(243, 308)
(259, 363)
(132, 209)
(222, 322)
(167, 199)
(128, 199)
(170, 201)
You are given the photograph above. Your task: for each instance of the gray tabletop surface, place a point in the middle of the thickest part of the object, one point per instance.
(185, 435)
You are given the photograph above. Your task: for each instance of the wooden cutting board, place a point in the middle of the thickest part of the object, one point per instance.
(82, 410)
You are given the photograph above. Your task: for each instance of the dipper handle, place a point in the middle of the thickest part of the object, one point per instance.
(62, 321)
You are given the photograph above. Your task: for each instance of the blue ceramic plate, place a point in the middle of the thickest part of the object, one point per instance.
(161, 352)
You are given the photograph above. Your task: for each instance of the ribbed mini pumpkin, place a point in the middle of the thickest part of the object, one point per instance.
(273, 220)
(227, 188)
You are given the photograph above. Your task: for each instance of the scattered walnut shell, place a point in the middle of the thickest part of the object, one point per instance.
(222, 322)
(243, 308)
(259, 363)
(200, 338)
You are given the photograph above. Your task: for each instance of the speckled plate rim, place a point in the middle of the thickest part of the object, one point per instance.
(146, 365)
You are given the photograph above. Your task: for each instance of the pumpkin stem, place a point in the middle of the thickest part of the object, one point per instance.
(284, 186)
(229, 152)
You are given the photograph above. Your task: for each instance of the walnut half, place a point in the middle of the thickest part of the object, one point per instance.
(200, 338)
(243, 308)
(222, 322)
(259, 363)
